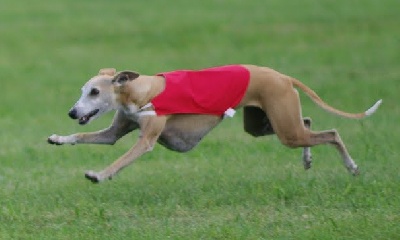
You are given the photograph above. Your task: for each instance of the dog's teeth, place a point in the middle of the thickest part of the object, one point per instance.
(83, 120)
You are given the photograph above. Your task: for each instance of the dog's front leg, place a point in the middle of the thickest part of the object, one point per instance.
(151, 128)
(120, 126)
(106, 136)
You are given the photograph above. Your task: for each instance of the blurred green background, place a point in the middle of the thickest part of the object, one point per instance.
(232, 186)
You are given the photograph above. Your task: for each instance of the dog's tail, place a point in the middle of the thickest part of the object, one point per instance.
(331, 109)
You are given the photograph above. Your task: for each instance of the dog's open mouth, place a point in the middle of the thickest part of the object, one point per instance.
(85, 119)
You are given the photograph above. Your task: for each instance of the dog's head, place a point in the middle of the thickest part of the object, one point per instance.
(99, 95)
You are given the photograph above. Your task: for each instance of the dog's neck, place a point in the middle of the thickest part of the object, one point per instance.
(136, 98)
(153, 86)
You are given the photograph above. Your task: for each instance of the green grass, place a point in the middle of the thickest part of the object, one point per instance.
(231, 186)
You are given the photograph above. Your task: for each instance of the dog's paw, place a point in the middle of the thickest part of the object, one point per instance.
(307, 165)
(60, 140)
(307, 162)
(93, 177)
(54, 139)
(355, 171)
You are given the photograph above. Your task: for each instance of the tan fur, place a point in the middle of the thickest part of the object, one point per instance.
(271, 106)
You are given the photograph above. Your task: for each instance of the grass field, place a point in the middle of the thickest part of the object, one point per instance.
(231, 186)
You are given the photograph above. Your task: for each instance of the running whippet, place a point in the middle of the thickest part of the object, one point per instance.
(177, 109)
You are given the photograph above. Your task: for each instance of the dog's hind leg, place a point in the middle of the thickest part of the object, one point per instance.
(307, 156)
(256, 123)
(284, 112)
(332, 137)
(121, 126)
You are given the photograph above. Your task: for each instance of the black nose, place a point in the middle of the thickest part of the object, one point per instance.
(72, 114)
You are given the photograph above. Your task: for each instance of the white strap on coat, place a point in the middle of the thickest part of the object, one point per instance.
(141, 111)
(230, 112)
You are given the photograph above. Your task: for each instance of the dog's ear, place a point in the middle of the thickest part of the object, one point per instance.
(125, 76)
(108, 71)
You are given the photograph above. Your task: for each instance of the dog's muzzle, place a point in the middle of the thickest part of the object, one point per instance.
(73, 113)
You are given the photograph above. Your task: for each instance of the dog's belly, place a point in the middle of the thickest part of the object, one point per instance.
(183, 132)
(178, 141)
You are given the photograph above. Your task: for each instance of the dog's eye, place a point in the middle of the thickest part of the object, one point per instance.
(94, 92)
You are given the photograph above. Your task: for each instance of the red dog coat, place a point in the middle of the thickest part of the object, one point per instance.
(209, 91)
